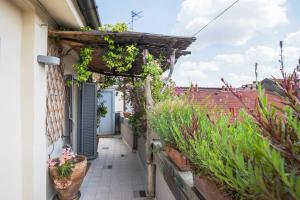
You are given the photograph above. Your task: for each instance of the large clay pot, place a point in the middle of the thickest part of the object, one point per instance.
(180, 160)
(71, 191)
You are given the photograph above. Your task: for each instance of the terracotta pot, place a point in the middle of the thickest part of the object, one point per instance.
(208, 189)
(70, 192)
(126, 114)
(178, 159)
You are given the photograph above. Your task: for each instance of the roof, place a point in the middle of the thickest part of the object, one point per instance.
(157, 44)
(270, 85)
(219, 98)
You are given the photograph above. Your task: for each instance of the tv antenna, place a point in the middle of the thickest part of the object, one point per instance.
(134, 17)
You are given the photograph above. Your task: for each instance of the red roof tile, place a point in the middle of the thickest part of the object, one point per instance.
(218, 98)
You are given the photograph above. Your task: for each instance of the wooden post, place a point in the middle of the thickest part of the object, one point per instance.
(149, 157)
(172, 65)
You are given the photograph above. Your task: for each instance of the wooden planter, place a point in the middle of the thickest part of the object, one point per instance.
(208, 189)
(178, 159)
(71, 191)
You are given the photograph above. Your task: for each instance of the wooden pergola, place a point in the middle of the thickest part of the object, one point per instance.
(156, 44)
(169, 47)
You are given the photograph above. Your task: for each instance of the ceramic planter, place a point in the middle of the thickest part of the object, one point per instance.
(72, 183)
(208, 189)
(180, 160)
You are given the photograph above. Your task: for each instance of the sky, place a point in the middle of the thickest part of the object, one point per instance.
(246, 34)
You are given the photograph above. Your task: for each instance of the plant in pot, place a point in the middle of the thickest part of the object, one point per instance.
(67, 173)
(255, 157)
(167, 120)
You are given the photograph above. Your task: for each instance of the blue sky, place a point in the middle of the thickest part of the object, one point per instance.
(248, 33)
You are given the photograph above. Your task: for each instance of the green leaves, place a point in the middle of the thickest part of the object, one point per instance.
(118, 57)
(118, 27)
(81, 68)
(235, 155)
(65, 169)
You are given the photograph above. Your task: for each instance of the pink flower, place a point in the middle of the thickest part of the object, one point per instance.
(51, 163)
(62, 160)
(62, 184)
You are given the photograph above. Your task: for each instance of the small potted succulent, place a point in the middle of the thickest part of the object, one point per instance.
(67, 173)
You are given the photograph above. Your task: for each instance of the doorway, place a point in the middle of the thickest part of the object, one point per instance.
(107, 123)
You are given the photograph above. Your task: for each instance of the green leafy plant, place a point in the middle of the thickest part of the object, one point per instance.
(118, 27)
(101, 108)
(65, 170)
(254, 157)
(64, 164)
(118, 57)
(153, 68)
(81, 68)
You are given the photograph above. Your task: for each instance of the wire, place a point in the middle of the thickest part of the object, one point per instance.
(219, 15)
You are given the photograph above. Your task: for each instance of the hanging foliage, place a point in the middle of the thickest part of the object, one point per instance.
(118, 57)
(152, 67)
(81, 68)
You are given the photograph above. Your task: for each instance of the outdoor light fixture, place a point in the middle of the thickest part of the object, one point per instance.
(48, 60)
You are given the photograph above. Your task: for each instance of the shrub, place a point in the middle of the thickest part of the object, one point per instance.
(236, 156)
(255, 157)
(175, 121)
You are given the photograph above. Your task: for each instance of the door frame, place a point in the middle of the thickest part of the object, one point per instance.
(113, 92)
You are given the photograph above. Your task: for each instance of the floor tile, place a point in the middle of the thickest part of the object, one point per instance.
(115, 174)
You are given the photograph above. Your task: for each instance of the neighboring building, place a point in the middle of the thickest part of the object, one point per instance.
(225, 100)
(271, 86)
(27, 85)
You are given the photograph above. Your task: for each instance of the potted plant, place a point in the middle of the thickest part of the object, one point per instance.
(164, 120)
(67, 173)
(126, 114)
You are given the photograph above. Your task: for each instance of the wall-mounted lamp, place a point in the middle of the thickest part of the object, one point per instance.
(48, 60)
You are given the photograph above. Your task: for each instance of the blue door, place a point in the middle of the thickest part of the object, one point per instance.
(107, 123)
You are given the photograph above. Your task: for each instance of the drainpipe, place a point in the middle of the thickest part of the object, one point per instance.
(89, 11)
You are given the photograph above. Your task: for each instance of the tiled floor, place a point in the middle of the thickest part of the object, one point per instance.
(115, 175)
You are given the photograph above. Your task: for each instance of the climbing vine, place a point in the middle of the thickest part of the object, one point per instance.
(153, 68)
(81, 68)
(118, 57)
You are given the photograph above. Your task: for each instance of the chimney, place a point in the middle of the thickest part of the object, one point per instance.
(192, 87)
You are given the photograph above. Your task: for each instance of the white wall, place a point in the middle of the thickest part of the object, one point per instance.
(10, 101)
(22, 104)
(119, 102)
(23, 146)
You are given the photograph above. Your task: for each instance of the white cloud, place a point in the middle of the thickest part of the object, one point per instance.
(236, 26)
(237, 69)
(189, 71)
(293, 38)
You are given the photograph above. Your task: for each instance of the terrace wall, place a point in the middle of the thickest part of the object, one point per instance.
(162, 189)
